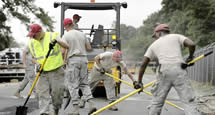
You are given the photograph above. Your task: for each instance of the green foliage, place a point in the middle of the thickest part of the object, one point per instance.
(192, 18)
(4, 32)
(23, 10)
(127, 32)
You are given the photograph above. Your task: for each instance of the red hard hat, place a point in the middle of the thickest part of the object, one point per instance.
(67, 21)
(161, 27)
(34, 28)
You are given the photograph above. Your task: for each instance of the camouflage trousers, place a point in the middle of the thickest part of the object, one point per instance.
(77, 78)
(50, 88)
(172, 76)
(95, 77)
(29, 78)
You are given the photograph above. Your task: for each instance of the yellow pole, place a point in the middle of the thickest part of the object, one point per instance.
(132, 93)
(37, 77)
(110, 75)
(196, 59)
(119, 100)
(143, 90)
(200, 57)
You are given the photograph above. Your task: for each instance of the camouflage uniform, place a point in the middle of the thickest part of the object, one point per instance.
(50, 84)
(172, 76)
(29, 72)
(167, 49)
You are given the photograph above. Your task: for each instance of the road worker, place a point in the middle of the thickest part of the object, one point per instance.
(29, 72)
(76, 68)
(104, 62)
(51, 81)
(76, 19)
(167, 49)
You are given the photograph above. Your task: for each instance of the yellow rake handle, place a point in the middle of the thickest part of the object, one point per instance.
(119, 100)
(144, 90)
(200, 57)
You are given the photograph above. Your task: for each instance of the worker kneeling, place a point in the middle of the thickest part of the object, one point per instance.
(103, 63)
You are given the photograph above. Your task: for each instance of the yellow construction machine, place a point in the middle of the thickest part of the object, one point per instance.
(102, 39)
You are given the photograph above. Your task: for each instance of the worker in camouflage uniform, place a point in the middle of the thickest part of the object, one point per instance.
(167, 49)
(76, 68)
(29, 73)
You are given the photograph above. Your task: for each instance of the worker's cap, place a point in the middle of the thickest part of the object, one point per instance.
(34, 28)
(67, 21)
(160, 27)
(117, 55)
(76, 16)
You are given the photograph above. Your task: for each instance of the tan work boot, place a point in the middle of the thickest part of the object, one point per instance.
(17, 94)
(91, 107)
(75, 110)
(82, 103)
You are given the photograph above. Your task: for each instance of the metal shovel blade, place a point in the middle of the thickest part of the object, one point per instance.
(21, 110)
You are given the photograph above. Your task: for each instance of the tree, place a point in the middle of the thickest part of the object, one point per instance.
(194, 19)
(127, 32)
(23, 10)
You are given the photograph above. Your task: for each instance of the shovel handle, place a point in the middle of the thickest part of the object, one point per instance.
(51, 46)
(149, 84)
(200, 57)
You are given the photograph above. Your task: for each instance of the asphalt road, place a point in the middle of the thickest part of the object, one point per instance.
(134, 105)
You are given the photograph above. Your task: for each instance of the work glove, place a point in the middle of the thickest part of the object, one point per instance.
(102, 71)
(138, 85)
(52, 43)
(185, 65)
(189, 59)
(38, 67)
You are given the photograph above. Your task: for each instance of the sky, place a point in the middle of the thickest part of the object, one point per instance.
(134, 14)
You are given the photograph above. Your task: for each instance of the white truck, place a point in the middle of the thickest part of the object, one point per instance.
(11, 64)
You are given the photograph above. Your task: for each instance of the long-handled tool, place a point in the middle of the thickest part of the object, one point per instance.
(184, 66)
(132, 93)
(121, 99)
(22, 110)
(143, 90)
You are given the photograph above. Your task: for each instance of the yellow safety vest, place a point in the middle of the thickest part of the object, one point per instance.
(39, 50)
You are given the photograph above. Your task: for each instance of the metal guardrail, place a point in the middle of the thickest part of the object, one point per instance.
(204, 69)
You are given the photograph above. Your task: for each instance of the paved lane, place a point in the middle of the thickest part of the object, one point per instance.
(135, 105)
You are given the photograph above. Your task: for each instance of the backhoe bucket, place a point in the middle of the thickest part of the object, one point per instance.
(21, 110)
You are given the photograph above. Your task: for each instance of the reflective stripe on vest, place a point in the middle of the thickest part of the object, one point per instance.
(34, 53)
(39, 51)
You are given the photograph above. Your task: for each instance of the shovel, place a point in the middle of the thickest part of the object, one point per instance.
(184, 66)
(110, 75)
(121, 99)
(22, 110)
